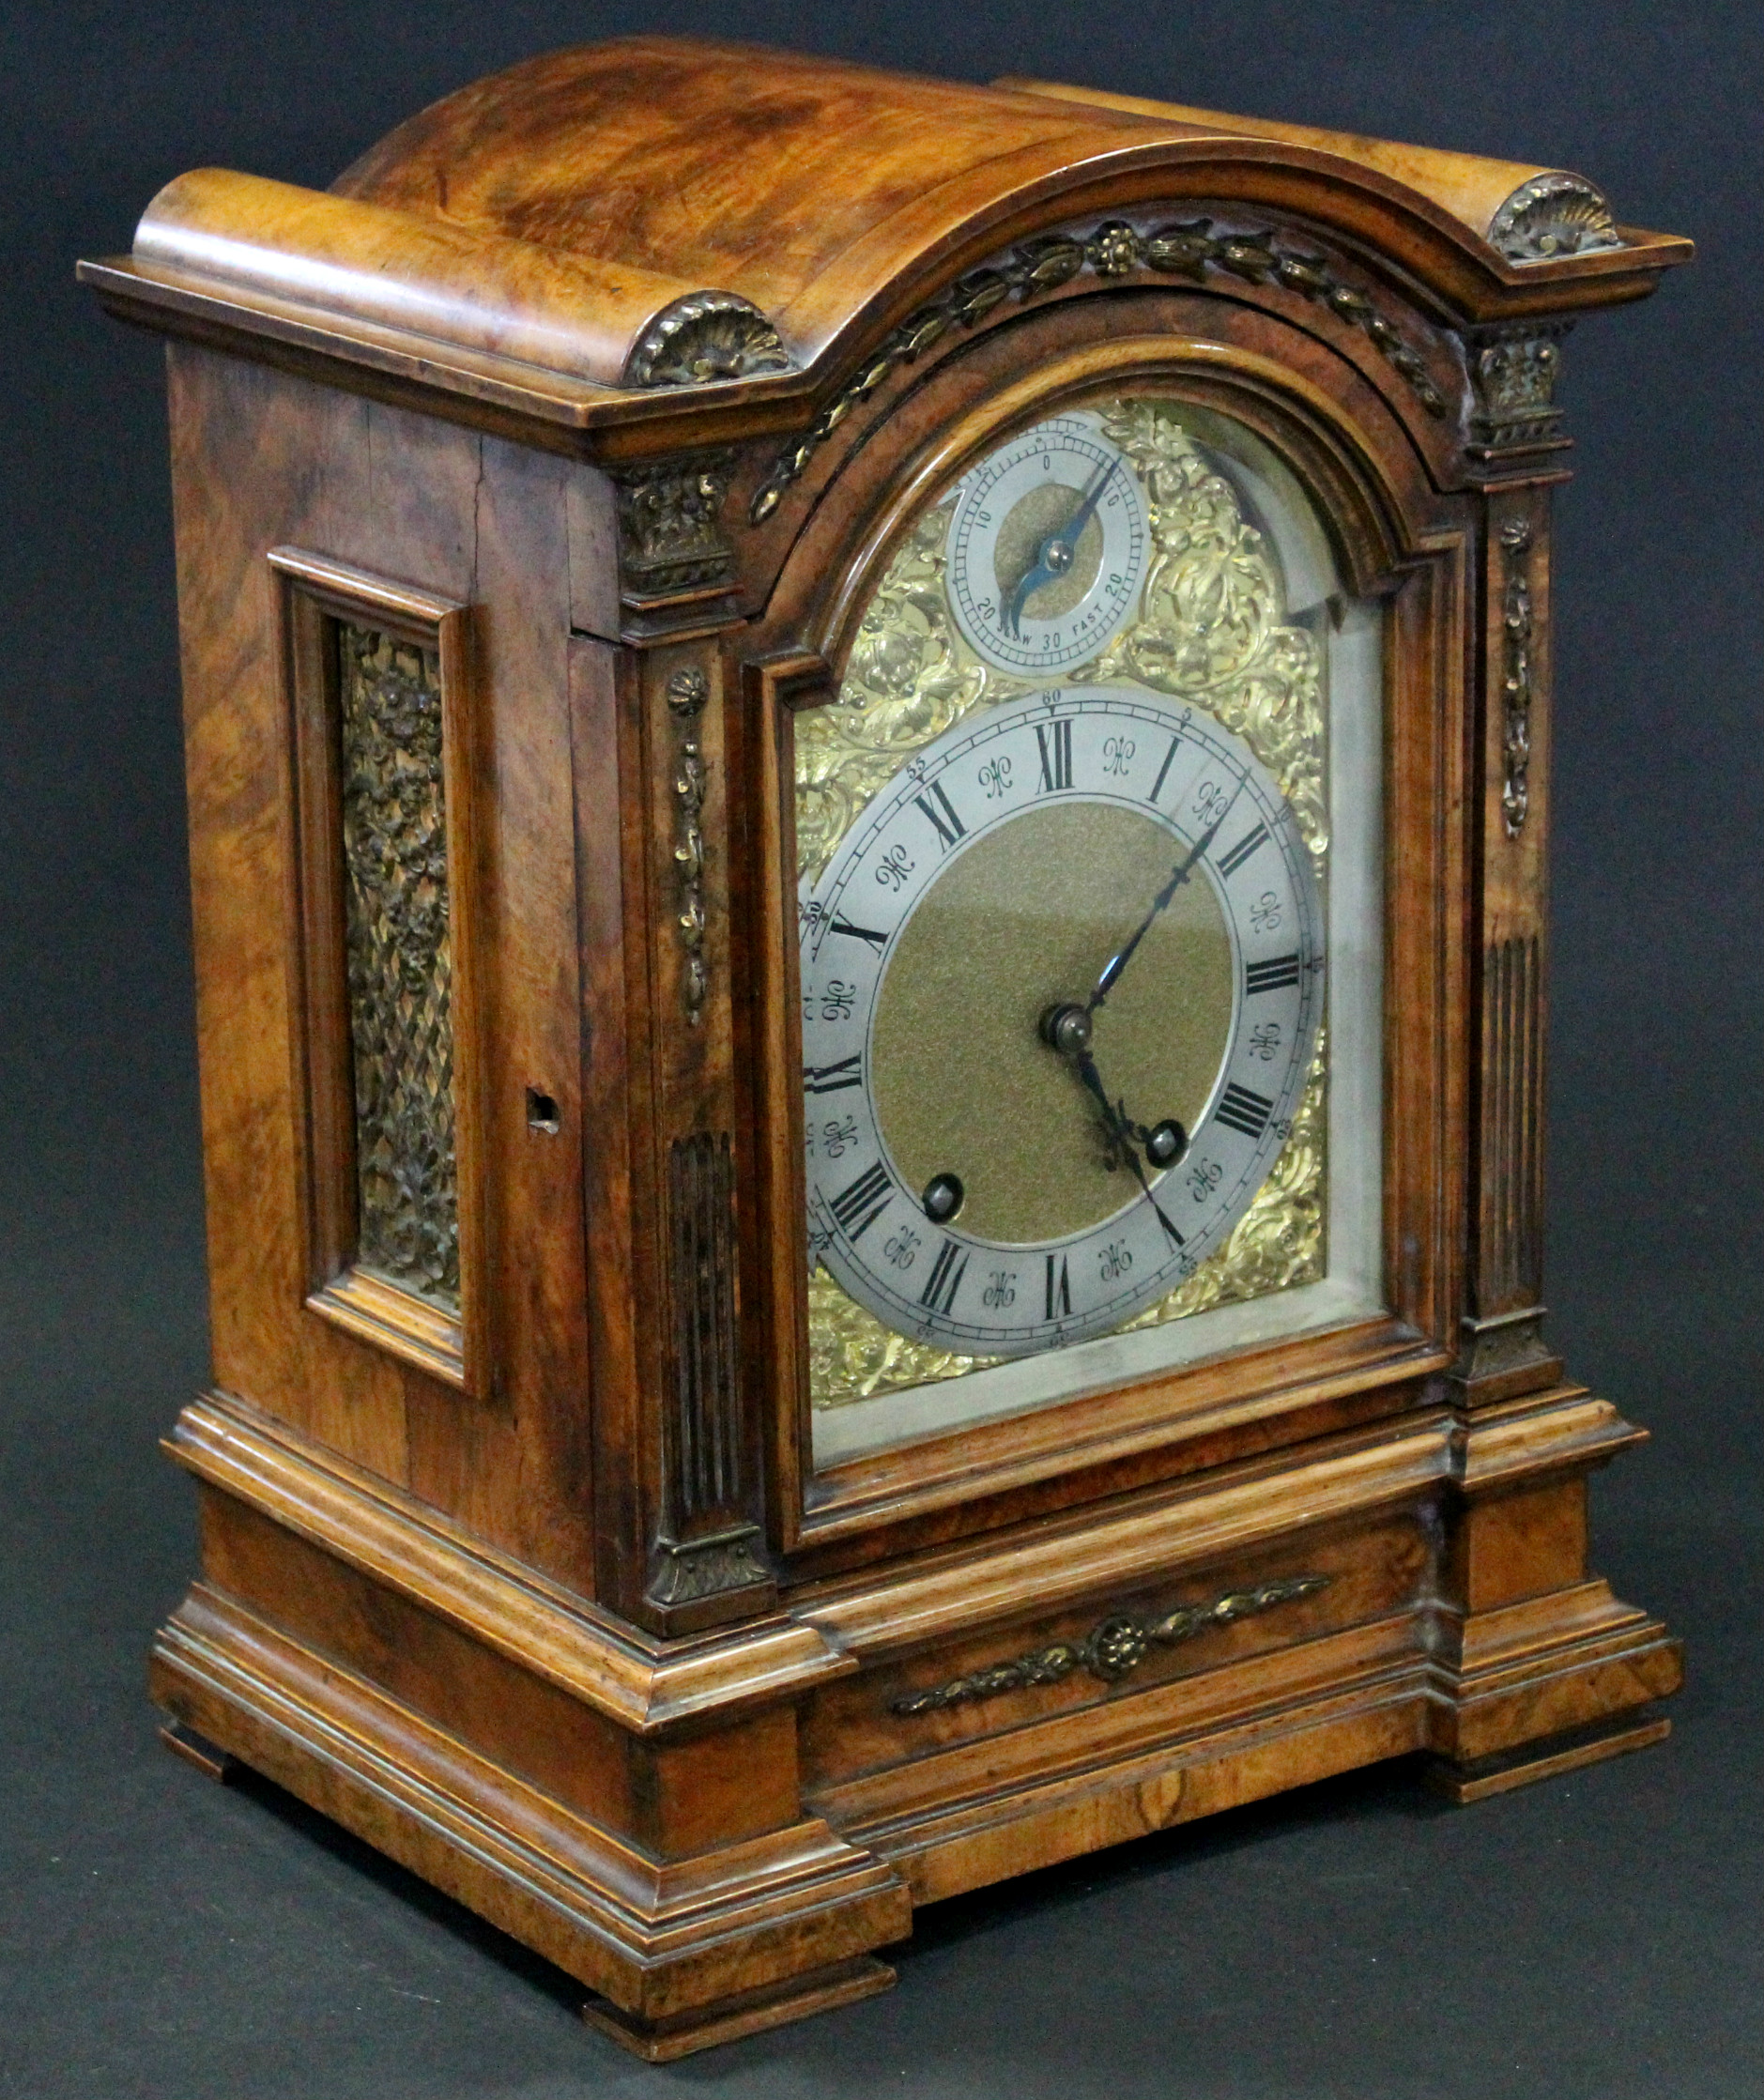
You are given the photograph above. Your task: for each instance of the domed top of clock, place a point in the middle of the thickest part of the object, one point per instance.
(594, 239)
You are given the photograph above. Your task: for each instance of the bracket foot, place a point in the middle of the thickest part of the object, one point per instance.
(208, 1758)
(728, 2019)
(1482, 1777)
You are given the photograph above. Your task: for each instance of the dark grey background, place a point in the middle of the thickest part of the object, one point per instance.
(1597, 1936)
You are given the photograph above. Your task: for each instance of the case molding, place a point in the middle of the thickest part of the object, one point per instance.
(582, 1785)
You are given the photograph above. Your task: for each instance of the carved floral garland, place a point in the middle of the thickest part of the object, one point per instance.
(1189, 248)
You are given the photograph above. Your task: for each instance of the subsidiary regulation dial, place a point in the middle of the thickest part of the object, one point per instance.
(1048, 547)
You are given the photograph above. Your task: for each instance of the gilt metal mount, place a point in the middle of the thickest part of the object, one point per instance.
(1112, 1650)
(1116, 251)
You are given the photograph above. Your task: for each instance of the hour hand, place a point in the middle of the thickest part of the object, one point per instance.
(1121, 1136)
(1066, 1029)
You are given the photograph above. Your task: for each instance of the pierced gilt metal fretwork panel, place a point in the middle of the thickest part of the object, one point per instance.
(396, 908)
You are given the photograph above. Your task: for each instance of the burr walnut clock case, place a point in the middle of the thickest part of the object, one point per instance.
(869, 764)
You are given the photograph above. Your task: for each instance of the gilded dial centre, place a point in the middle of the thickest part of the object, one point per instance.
(1025, 918)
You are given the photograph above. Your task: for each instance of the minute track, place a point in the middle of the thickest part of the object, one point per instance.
(964, 1287)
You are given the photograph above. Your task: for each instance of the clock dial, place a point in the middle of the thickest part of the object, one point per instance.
(1061, 991)
(1048, 547)
(999, 1162)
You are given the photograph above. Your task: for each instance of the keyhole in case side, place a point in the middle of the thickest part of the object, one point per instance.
(541, 1112)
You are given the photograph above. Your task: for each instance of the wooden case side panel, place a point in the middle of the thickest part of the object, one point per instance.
(262, 460)
(249, 473)
(321, 603)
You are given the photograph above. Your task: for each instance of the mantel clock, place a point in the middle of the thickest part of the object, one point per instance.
(868, 763)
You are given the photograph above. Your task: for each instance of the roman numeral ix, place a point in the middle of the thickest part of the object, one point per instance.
(1244, 1111)
(861, 1205)
(945, 1278)
(1273, 975)
(1054, 740)
(941, 811)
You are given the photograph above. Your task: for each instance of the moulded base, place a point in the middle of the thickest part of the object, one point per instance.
(715, 1835)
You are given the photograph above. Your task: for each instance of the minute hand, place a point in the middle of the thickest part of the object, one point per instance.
(1073, 529)
(1178, 876)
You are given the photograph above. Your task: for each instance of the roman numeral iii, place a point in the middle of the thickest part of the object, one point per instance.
(1244, 1111)
(1274, 976)
(861, 1205)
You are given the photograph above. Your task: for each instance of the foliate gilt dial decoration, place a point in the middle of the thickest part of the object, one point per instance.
(1049, 914)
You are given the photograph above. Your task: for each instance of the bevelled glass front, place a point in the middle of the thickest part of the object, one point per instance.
(1091, 922)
